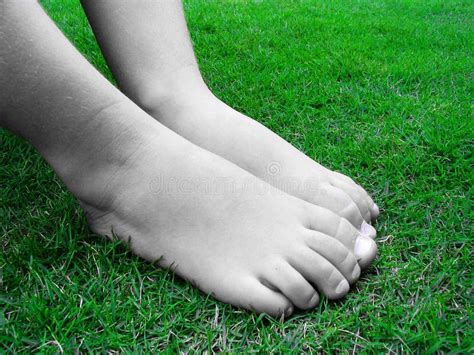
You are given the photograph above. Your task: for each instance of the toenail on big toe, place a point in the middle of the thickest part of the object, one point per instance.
(365, 251)
(362, 247)
(367, 230)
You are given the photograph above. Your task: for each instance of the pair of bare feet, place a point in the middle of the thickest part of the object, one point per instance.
(222, 228)
(190, 183)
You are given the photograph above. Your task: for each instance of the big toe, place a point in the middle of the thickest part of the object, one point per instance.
(360, 244)
(365, 250)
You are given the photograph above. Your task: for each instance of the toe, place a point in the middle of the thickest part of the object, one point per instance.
(367, 230)
(336, 253)
(342, 177)
(253, 295)
(357, 194)
(327, 222)
(336, 200)
(320, 272)
(365, 250)
(292, 284)
(374, 210)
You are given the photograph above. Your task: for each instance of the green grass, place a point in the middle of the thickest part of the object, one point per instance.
(380, 90)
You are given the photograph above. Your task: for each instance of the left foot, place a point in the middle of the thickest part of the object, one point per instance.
(196, 114)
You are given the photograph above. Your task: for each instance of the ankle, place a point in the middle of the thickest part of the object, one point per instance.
(109, 145)
(164, 95)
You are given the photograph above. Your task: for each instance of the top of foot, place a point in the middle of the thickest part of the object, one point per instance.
(227, 232)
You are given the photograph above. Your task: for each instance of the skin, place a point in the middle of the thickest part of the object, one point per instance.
(248, 244)
(148, 49)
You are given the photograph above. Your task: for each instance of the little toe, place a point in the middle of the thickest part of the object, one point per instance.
(292, 284)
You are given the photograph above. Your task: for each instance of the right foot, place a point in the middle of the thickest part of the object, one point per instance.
(252, 246)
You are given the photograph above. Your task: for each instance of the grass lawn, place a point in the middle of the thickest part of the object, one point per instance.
(380, 90)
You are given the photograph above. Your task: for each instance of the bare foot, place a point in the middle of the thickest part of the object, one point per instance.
(153, 62)
(186, 106)
(231, 234)
(217, 226)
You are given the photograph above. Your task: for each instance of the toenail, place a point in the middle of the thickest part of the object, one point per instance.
(343, 287)
(314, 300)
(356, 272)
(376, 209)
(367, 230)
(362, 247)
(289, 311)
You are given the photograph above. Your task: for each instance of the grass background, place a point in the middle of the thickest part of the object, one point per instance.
(380, 90)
